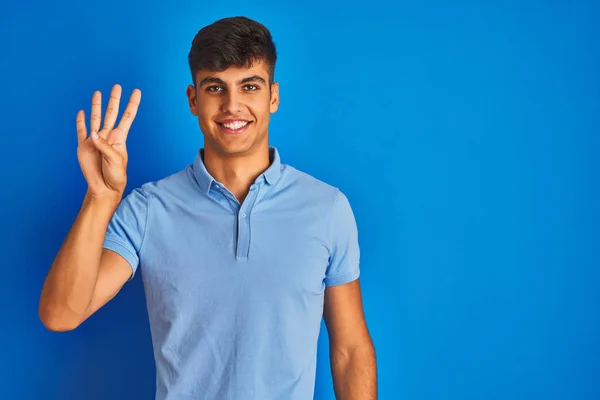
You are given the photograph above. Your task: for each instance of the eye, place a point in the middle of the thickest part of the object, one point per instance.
(254, 86)
(210, 89)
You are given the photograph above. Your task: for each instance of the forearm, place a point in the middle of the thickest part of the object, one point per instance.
(354, 373)
(71, 280)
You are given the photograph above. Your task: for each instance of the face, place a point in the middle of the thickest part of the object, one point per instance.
(233, 108)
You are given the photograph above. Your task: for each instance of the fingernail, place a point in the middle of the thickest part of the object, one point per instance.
(94, 135)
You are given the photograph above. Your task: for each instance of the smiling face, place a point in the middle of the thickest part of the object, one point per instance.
(234, 107)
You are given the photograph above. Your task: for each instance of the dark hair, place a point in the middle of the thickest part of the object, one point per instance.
(231, 41)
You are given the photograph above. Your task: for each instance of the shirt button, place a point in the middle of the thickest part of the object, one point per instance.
(243, 215)
(252, 187)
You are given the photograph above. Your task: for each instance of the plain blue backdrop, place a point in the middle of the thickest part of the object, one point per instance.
(466, 137)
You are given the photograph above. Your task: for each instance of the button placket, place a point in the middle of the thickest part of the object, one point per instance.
(243, 221)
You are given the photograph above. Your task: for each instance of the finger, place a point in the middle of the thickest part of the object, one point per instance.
(112, 110)
(81, 129)
(96, 111)
(107, 151)
(130, 112)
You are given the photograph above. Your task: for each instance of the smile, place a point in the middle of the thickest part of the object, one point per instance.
(234, 127)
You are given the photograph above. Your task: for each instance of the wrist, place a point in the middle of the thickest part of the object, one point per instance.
(109, 200)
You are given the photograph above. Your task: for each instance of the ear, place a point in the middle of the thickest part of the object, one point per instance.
(191, 95)
(274, 97)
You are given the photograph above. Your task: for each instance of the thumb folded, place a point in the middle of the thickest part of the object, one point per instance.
(106, 149)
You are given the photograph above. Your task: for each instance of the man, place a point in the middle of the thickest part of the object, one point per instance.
(241, 255)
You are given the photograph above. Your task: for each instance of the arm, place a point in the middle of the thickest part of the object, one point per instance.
(83, 276)
(352, 355)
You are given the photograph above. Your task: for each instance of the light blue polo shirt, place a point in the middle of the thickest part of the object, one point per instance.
(235, 291)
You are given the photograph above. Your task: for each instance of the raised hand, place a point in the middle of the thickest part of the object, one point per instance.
(103, 154)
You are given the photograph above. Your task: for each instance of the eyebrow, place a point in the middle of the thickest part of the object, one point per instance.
(212, 79)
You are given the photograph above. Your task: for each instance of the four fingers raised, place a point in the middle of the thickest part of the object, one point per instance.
(110, 118)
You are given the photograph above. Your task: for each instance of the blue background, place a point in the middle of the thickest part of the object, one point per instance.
(466, 137)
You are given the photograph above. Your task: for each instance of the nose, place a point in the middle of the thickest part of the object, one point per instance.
(231, 103)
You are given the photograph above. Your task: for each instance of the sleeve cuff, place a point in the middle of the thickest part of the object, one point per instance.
(111, 244)
(344, 278)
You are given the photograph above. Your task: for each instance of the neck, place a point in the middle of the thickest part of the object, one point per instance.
(237, 172)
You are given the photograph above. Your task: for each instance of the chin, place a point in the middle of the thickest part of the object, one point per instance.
(232, 148)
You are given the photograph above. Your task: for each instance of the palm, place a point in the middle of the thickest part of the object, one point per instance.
(104, 162)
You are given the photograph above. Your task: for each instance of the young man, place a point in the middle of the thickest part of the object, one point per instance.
(241, 255)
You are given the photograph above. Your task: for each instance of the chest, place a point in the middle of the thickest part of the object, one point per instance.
(204, 262)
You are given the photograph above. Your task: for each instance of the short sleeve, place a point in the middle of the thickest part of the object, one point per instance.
(127, 228)
(344, 256)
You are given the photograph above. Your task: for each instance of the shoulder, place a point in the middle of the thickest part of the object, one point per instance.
(310, 186)
(175, 185)
(330, 198)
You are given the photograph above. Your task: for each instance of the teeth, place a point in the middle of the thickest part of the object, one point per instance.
(236, 125)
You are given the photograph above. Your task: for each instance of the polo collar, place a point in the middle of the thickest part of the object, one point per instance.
(205, 180)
